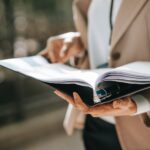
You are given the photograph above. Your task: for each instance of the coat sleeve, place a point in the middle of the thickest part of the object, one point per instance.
(80, 10)
(145, 117)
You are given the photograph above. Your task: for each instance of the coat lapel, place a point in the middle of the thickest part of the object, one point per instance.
(80, 8)
(128, 11)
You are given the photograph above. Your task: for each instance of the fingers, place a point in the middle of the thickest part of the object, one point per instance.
(73, 48)
(120, 103)
(121, 107)
(125, 106)
(60, 51)
(76, 100)
(79, 103)
(65, 48)
(52, 50)
(66, 52)
(64, 96)
(52, 56)
(70, 53)
(124, 103)
(61, 48)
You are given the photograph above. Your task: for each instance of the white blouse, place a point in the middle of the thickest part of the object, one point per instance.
(99, 30)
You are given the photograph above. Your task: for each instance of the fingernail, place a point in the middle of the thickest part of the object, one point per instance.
(115, 104)
(75, 95)
(56, 92)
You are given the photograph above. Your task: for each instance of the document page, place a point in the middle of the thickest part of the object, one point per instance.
(39, 68)
(132, 73)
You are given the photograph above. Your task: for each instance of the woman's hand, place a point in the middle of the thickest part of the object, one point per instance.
(119, 107)
(61, 48)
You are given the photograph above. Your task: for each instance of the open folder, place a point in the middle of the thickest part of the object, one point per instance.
(94, 86)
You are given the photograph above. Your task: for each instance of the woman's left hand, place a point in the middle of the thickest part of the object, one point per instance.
(119, 107)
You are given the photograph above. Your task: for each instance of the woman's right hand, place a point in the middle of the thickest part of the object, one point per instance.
(61, 48)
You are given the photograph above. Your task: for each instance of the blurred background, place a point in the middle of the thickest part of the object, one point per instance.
(31, 115)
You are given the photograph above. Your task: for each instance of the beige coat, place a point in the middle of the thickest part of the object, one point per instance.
(130, 42)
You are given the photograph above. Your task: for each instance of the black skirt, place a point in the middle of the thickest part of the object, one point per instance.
(100, 135)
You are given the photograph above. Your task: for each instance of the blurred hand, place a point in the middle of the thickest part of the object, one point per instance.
(61, 48)
(119, 107)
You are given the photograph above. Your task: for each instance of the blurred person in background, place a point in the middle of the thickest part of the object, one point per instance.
(113, 32)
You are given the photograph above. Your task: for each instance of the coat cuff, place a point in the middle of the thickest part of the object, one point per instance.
(142, 103)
